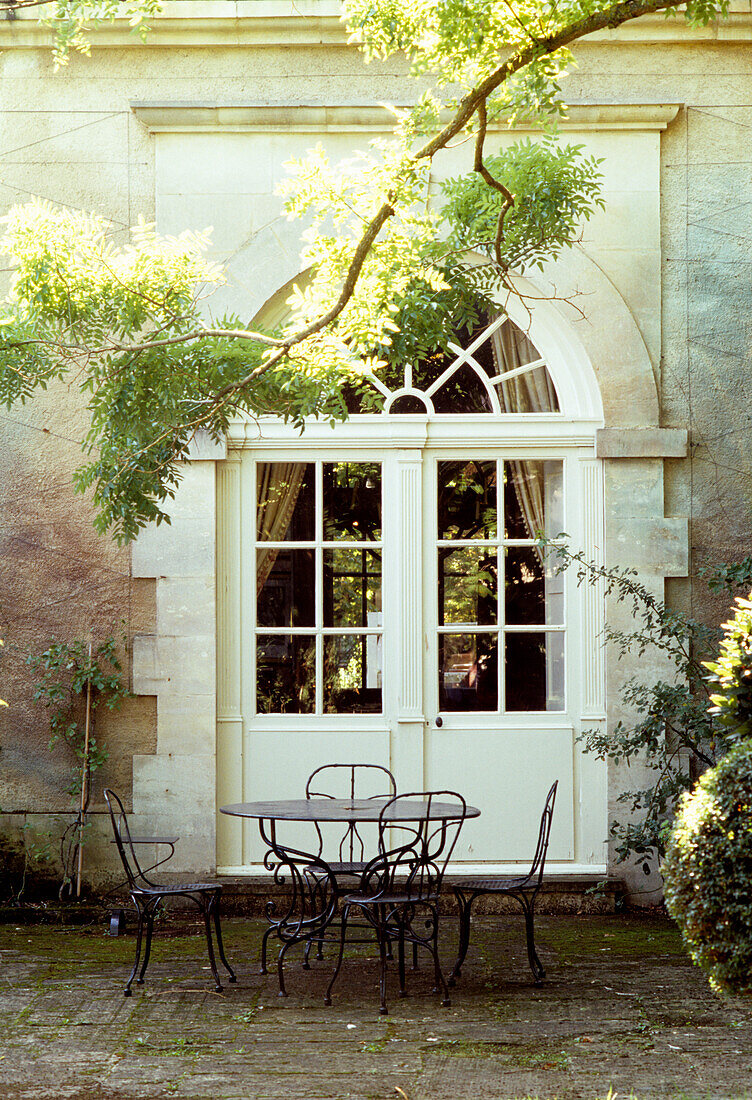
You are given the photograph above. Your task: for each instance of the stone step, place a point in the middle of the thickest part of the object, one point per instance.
(249, 896)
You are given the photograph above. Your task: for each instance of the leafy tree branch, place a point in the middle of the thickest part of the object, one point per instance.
(130, 324)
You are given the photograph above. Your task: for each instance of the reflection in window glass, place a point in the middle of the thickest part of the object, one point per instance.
(352, 586)
(408, 403)
(285, 674)
(288, 593)
(309, 594)
(352, 501)
(524, 587)
(534, 671)
(533, 499)
(463, 392)
(352, 674)
(467, 585)
(285, 493)
(468, 672)
(467, 500)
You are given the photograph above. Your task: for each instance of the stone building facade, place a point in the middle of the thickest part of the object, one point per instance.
(644, 327)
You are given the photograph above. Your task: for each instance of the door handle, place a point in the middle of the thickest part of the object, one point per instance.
(439, 722)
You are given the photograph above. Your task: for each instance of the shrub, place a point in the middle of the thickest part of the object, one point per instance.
(731, 675)
(708, 871)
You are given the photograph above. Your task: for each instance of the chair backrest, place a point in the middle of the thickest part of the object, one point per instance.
(414, 854)
(351, 781)
(544, 834)
(125, 846)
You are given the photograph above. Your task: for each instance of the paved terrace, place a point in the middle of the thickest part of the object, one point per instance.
(622, 1009)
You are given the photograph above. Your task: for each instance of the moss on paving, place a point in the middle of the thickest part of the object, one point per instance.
(622, 1007)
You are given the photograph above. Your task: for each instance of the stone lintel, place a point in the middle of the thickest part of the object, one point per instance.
(641, 443)
(269, 23)
(175, 116)
(202, 448)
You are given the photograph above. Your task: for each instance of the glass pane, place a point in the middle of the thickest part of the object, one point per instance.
(352, 501)
(468, 672)
(285, 674)
(287, 595)
(525, 587)
(534, 670)
(467, 586)
(409, 403)
(531, 392)
(512, 348)
(352, 587)
(286, 498)
(467, 500)
(352, 674)
(463, 392)
(533, 499)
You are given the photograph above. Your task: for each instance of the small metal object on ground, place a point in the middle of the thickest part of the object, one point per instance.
(117, 922)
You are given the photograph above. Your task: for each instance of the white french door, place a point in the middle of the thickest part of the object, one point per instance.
(393, 607)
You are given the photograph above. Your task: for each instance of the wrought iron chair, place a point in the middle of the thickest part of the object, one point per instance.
(347, 781)
(147, 897)
(399, 889)
(523, 889)
(350, 781)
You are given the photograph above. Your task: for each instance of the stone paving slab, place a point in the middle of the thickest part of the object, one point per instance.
(622, 1009)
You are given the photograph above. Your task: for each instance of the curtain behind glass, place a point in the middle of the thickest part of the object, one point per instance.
(276, 495)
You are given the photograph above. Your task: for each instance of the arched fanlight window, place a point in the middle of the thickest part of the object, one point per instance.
(496, 370)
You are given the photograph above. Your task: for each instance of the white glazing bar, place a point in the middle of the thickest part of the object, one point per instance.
(592, 654)
(229, 715)
(410, 599)
(319, 531)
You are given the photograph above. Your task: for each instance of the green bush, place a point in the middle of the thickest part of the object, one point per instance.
(731, 675)
(708, 871)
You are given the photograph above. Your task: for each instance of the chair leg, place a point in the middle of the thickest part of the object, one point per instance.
(340, 953)
(382, 919)
(214, 905)
(264, 942)
(465, 905)
(281, 965)
(382, 938)
(401, 958)
(149, 918)
(139, 938)
(206, 912)
(532, 955)
(441, 985)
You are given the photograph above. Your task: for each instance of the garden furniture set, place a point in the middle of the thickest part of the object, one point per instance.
(342, 891)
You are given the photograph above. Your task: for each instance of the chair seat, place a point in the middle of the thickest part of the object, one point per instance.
(395, 898)
(179, 888)
(493, 883)
(347, 868)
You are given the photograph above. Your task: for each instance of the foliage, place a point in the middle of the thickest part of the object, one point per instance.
(708, 868)
(728, 576)
(673, 730)
(128, 325)
(69, 20)
(69, 672)
(66, 670)
(554, 189)
(731, 672)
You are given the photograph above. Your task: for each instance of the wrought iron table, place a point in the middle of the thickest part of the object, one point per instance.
(311, 906)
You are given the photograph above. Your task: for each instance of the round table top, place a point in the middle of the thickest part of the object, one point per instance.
(345, 809)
